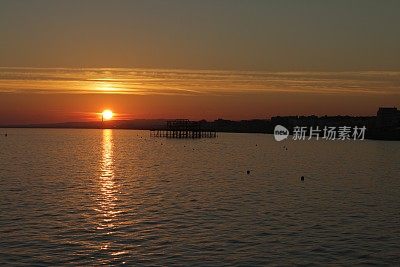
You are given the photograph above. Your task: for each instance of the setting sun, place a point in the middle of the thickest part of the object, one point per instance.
(107, 114)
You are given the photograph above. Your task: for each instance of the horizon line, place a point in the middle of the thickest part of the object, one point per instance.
(197, 120)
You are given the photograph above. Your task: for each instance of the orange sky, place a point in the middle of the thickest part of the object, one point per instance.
(68, 60)
(31, 95)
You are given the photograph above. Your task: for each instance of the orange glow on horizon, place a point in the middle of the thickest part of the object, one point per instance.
(71, 95)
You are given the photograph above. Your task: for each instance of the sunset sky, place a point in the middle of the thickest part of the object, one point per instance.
(68, 60)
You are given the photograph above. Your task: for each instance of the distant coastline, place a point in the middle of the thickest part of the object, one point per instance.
(384, 126)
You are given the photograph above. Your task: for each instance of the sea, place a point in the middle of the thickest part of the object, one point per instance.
(93, 197)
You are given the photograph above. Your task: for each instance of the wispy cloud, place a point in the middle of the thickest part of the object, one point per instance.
(185, 82)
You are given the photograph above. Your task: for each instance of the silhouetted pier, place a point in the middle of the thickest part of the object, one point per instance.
(183, 129)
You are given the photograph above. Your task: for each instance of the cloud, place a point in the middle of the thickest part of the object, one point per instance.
(189, 82)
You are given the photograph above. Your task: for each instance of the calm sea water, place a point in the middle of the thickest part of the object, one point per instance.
(94, 197)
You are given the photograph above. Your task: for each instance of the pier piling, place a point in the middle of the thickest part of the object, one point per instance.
(183, 129)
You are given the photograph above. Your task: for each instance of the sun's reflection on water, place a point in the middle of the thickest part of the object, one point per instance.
(107, 198)
(108, 221)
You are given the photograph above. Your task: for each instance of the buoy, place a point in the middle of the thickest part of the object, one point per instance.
(302, 178)
(248, 172)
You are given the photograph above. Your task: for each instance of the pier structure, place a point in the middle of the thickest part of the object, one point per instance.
(183, 128)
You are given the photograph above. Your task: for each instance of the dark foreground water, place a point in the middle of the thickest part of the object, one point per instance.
(93, 197)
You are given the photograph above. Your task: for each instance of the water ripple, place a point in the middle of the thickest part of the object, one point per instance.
(113, 197)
